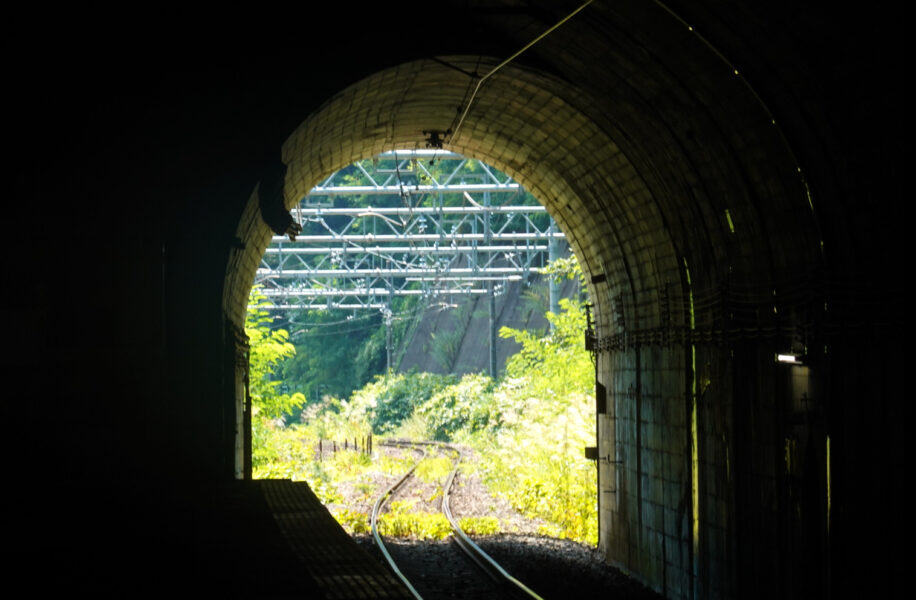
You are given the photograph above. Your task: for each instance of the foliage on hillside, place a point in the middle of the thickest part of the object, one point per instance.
(529, 428)
(391, 399)
(338, 352)
(268, 349)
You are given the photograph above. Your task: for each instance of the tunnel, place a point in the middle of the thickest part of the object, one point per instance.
(727, 175)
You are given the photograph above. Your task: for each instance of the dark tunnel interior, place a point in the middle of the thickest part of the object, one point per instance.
(728, 174)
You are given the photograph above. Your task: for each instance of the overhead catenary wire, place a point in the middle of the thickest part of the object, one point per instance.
(467, 107)
(403, 249)
(395, 316)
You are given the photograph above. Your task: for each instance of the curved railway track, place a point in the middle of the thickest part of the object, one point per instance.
(504, 585)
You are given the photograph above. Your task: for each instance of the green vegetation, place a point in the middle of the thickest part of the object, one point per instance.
(528, 428)
(337, 351)
(446, 344)
(268, 348)
(434, 470)
(479, 525)
(403, 521)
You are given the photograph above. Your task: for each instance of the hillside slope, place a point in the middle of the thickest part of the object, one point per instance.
(452, 337)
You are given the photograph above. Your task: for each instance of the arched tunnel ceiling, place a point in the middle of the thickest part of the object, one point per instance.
(664, 155)
(120, 353)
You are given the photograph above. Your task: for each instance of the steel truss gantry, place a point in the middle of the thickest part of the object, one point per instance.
(421, 223)
(453, 228)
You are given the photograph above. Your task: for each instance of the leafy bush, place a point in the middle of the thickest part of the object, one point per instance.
(434, 469)
(354, 522)
(529, 430)
(555, 368)
(401, 522)
(393, 465)
(465, 405)
(268, 348)
(279, 451)
(479, 525)
(535, 460)
(391, 399)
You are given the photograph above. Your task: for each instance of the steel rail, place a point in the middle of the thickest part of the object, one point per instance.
(483, 560)
(475, 552)
(379, 504)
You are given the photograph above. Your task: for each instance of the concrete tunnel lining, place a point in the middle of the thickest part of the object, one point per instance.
(640, 181)
(123, 333)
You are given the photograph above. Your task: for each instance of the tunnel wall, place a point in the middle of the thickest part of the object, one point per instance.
(703, 233)
(630, 123)
(679, 285)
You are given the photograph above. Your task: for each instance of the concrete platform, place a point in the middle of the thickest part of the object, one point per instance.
(340, 567)
(255, 539)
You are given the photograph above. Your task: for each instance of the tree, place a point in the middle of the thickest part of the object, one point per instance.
(268, 348)
(557, 366)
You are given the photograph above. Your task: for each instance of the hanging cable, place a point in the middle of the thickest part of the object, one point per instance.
(510, 59)
(397, 316)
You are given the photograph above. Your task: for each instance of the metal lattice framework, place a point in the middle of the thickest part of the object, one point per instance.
(407, 223)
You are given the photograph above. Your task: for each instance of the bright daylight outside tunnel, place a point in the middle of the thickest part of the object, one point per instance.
(703, 253)
(411, 305)
(727, 177)
(684, 286)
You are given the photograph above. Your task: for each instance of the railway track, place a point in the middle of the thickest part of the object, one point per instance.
(492, 579)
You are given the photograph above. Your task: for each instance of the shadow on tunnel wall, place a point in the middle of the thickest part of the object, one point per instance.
(131, 200)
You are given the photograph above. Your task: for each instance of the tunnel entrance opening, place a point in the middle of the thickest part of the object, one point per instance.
(413, 280)
(673, 202)
(573, 173)
(755, 146)
(406, 229)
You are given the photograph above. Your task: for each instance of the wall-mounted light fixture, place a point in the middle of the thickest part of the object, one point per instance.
(789, 358)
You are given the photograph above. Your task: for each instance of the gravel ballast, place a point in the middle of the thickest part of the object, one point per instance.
(553, 568)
